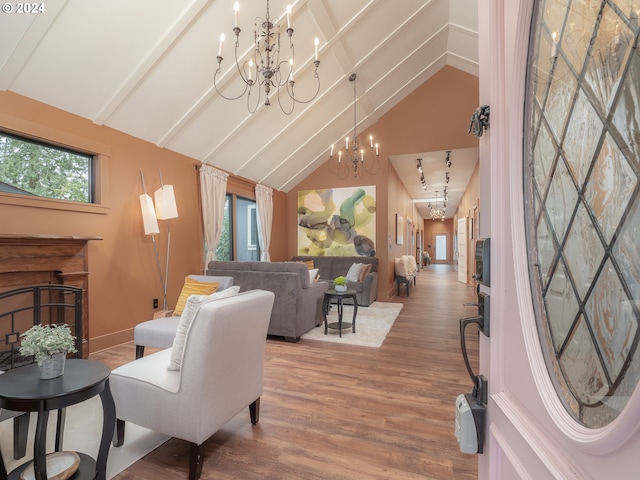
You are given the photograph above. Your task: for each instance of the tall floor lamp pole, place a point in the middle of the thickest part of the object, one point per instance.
(166, 209)
(151, 228)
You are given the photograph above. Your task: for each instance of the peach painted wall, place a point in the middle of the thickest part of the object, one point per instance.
(123, 277)
(433, 117)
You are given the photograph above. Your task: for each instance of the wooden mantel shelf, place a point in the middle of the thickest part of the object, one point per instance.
(41, 237)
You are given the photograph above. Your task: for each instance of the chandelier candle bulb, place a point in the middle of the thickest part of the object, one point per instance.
(346, 141)
(288, 16)
(371, 140)
(250, 69)
(331, 154)
(316, 42)
(362, 155)
(340, 156)
(377, 153)
(554, 45)
(221, 44)
(236, 9)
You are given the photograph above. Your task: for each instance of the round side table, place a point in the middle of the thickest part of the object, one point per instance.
(22, 390)
(339, 296)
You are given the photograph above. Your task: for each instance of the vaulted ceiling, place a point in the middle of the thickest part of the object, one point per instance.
(146, 68)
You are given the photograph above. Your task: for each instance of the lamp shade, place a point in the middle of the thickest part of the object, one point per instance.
(165, 203)
(148, 215)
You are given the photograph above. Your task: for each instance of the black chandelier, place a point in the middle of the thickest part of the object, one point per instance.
(436, 211)
(355, 159)
(264, 68)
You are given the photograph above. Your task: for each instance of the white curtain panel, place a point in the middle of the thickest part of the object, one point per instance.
(264, 208)
(213, 192)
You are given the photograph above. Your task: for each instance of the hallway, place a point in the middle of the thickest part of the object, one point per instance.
(332, 411)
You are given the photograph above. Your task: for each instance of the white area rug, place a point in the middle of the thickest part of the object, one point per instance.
(372, 325)
(83, 428)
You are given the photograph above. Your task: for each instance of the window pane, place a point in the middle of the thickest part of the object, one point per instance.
(582, 201)
(32, 168)
(246, 230)
(223, 250)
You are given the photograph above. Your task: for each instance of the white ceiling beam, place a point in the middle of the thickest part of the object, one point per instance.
(159, 51)
(27, 45)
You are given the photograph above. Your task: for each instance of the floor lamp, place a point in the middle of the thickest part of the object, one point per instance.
(150, 224)
(166, 209)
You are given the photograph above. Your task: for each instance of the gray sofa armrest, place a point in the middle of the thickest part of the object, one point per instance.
(369, 289)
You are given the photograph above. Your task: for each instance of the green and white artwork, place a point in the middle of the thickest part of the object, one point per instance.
(337, 221)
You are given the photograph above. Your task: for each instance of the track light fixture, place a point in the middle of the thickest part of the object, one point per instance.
(421, 172)
(447, 161)
(446, 177)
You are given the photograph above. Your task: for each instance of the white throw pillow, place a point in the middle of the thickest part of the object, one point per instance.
(194, 302)
(313, 274)
(353, 275)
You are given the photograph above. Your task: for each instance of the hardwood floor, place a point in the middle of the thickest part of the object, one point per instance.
(339, 412)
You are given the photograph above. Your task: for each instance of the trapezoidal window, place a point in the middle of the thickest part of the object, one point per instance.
(582, 200)
(34, 168)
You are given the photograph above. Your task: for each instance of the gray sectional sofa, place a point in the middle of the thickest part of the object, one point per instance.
(298, 302)
(332, 267)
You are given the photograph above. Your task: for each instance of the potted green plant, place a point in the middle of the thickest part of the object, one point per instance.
(340, 284)
(49, 345)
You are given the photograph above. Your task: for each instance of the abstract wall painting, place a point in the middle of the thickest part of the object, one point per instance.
(337, 221)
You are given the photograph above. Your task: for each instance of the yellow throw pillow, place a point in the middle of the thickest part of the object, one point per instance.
(193, 287)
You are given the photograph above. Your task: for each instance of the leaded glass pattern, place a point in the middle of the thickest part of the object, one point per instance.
(582, 200)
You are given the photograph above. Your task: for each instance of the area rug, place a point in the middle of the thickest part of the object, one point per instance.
(83, 427)
(372, 325)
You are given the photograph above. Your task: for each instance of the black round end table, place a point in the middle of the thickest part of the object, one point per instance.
(339, 296)
(22, 390)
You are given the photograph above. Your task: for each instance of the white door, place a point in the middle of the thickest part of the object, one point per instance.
(532, 431)
(462, 250)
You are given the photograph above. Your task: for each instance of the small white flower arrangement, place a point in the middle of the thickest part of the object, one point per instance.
(42, 341)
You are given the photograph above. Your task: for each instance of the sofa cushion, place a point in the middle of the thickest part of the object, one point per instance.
(353, 275)
(366, 268)
(194, 302)
(193, 287)
(313, 273)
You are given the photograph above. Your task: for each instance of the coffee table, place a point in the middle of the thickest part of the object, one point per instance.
(22, 390)
(339, 296)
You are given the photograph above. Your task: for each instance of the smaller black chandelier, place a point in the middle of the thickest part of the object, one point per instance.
(437, 212)
(264, 66)
(355, 159)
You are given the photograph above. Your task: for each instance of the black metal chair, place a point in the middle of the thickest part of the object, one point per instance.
(20, 309)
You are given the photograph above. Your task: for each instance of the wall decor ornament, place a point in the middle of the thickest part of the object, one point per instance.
(399, 229)
(337, 221)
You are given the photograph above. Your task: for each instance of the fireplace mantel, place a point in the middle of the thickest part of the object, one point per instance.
(44, 259)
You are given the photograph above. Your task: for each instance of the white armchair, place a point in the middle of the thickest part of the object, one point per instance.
(221, 373)
(160, 331)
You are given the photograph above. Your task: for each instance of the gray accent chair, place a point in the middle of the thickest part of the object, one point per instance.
(160, 332)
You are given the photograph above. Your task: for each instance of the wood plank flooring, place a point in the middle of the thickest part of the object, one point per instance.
(339, 412)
